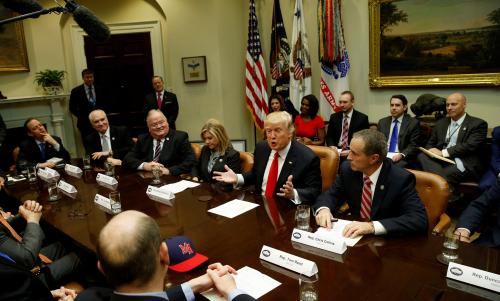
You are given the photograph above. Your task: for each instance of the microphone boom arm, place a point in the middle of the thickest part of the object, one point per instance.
(57, 9)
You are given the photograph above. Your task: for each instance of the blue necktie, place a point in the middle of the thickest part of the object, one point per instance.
(91, 97)
(394, 137)
(42, 151)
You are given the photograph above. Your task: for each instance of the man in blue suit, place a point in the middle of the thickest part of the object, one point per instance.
(382, 194)
(475, 214)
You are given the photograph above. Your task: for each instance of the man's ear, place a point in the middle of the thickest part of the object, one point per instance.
(375, 158)
(164, 258)
(99, 267)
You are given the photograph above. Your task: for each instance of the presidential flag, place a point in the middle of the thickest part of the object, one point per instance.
(300, 61)
(333, 56)
(280, 53)
(256, 86)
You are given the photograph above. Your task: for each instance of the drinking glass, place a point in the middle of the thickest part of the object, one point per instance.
(53, 192)
(302, 216)
(31, 174)
(86, 162)
(110, 168)
(450, 248)
(116, 205)
(156, 175)
(308, 288)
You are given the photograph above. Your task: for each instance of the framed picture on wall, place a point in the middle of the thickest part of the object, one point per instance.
(13, 55)
(434, 43)
(194, 69)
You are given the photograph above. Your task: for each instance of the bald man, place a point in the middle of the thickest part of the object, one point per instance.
(137, 263)
(459, 137)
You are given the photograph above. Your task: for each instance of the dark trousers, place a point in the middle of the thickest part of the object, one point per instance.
(448, 171)
(64, 266)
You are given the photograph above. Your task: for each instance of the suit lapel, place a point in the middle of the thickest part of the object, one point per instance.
(380, 188)
(463, 129)
(287, 168)
(402, 131)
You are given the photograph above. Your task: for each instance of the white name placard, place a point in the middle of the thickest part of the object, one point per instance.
(295, 263)
(474, 276)
(102, 201)
(73, 170)
(48, 174)
(319, 241)
(67, 189)
(106, 181)
(160, 195)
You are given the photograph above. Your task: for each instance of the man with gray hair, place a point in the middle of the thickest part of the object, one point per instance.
(282, 166)
(380, 193)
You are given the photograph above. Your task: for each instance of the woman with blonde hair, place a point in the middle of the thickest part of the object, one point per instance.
(217, 152)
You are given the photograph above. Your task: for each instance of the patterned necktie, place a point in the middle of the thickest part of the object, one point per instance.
(159, 100)
(43, 151)
(105, 144)
(91, 97)
(157, 151)
(394, 137)
(366, 199)
(345, 133)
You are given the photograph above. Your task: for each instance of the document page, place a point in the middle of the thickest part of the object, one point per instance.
(336, 232)
(233, 208)
(179, 186)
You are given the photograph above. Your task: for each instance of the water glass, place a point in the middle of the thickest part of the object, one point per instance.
(110, 168)
(31, 174)
(116, 205)
(308, 288)
(156, 174)
(302, 216)
(450, 248)
(53, 192)
(86, 162)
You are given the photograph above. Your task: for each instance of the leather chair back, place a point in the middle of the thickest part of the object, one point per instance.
(329, 164)
(246, 159)
(434, 192)
(197, 150)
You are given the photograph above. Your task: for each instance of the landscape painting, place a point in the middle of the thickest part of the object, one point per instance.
(434, 42)
(13, 56)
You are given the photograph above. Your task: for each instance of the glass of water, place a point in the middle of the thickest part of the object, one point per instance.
(86, 162)
(31, 174)
(450, 248)
(116, 204)
(308, 288)
(302, 216)
(53, 192)
(156, 174)
(110, 168)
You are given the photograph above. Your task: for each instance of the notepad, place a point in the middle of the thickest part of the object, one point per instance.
(336, 232)
(233, 208)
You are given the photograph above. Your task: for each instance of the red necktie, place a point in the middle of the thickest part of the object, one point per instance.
(366, 199)
(17, 237)
(159, 100)
(272, 178)
(345, 133)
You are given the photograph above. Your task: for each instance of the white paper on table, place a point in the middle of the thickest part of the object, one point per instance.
(250, 281)
(55, 160)
(336, 232)
(179, 186)
(14, 179)
(233, 208)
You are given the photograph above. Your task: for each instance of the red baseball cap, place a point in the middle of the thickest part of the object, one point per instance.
(183, 255)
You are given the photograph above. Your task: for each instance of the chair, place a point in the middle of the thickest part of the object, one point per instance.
(15, 155)
(434, 192)
(196, 150)
(329, 164)
(246, 159)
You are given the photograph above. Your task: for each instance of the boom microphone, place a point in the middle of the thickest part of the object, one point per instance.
(88, 21)
(22, 6)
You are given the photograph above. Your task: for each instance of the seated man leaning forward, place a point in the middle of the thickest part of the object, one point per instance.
(164, 147)
(137, 263)
(295, 167)
(377, 191)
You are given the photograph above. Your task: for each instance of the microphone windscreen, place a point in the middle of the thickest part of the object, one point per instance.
(89, 22)
(22, 6)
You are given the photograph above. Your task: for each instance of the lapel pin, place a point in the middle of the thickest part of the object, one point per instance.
(220, 160)
(289, 162)
(112, 138)
(464, 129)
(168, 139)
(382, 187)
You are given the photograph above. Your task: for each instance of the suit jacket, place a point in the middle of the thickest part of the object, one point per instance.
(19, 284)
(471, 138)
(169, 106)
(231, 158)
(359, 121)
(395, 202)
(30, 152)
(301, 162)
(491, 175)
(408, 135)
(121, 143)
(477, 212)
(174, 294)
(176, 154)
(80, 107)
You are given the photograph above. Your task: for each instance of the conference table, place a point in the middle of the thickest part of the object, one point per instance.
(376, 268)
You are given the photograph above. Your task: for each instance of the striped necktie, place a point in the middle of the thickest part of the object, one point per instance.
(157, 151)
(366, 199)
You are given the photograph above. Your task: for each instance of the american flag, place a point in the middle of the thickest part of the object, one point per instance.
(298, 70)
(256, 85)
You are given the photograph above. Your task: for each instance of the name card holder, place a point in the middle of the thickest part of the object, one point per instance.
(67, 189)
(474, 276)
(73, 171)
(106, 181)
(104, 203)
(48, 174)
(318, 241)
(295, 263)
(160, 195)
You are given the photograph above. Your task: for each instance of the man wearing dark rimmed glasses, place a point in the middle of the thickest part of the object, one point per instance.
(460, 138)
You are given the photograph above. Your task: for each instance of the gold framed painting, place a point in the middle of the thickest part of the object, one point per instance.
(13, 55)
(434, 43)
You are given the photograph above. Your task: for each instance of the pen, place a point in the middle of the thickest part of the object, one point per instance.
(333, 219)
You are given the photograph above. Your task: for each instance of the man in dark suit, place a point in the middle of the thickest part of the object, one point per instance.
(84, 99)
(401, 131)
(376, 190)
(137, 264)
(458, 137)
(477, 213)
(106, 140)
(40, 146)
(169, 149)
(162, 100)
(493, 173)
(344, 124)
(298, 176)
